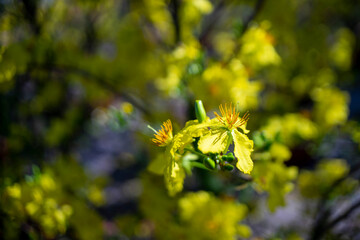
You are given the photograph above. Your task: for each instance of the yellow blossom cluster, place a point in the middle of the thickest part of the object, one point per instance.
(276, 179)
(290, 127)
(257, 47)
(36, 200)
(217, 218)
(230, 82)
(331, 106)
(194, 215)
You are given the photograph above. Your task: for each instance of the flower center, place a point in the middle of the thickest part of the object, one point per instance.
(164, 135)
(230, 117)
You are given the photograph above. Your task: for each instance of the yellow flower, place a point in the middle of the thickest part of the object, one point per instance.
(164, 136)
(170, 164)
(224, 130)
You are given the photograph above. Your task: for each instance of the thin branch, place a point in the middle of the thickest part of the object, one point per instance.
(258, 6)
(174, 10)
(322, 203)
(344, 215)
(324, 212)
(213, 17)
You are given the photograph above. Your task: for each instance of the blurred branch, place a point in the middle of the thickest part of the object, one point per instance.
(174, 10)
(109, 87)
(322, 203)
(258, 6)
(322, 225)
(213, 17)
(344, 215)
(30, 8)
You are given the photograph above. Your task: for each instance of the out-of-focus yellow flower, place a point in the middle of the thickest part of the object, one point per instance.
(280, 152)
(37, 195)
(331, 106)
(276, 179)
(127, 107)
(290, 127)
(224, 44)
(341, 51)
(157, 12)
(176, 63)
(14, 191)
(257, 48)
(191, 12)
(242, 91)
(217, 218)
(39, 200)
(67, 209)
(47, 182)
(31, 208)
(227, 83)
(223, 131)
(96, 196)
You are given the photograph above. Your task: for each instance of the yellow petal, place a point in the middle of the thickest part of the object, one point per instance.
(174, 177)
(196, 129)
(214, 141)
(243, 127)
(243, 148)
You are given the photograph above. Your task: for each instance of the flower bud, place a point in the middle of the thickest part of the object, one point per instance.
(227, 167)
(200, 111)
(209, 163)
(229, 157)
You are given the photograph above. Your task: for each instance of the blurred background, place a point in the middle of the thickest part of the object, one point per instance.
(80, 81)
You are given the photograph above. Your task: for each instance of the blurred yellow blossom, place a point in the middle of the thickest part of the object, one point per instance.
(190, 16)
(34, 200)
(47, 182)
(280, 152)
(224, 44)
(276, 179)
(14, 191)
(156, 11)
(331, 106)
(290, 127)
(341, 51)
(96, 195)
(127, 107)
(175, 68)
(217, 219)
(227, 83)
(257, 48)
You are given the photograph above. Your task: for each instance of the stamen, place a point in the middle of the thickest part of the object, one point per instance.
(230, 116)
(162, 137)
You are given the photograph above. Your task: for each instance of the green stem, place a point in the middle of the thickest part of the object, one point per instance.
(195, 152)
(199, 165)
